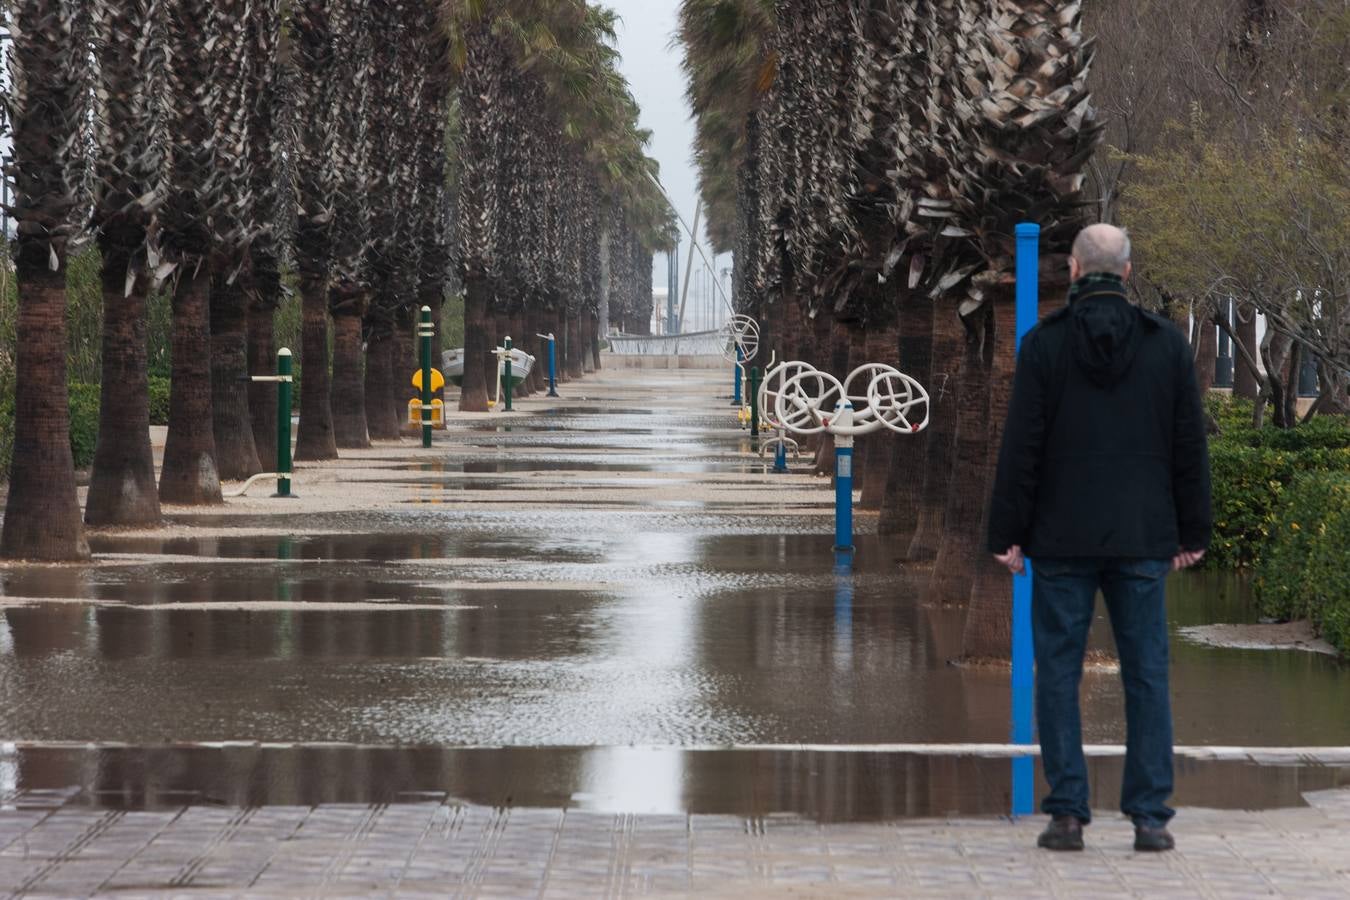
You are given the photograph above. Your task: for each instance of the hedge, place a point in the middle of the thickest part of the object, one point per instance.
(1253, 469)
(1305, 574)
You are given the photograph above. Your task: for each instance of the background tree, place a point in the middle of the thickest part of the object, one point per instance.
(189, 474)
(47, 106)
(128, 41)
(234, 230)
(315, 35)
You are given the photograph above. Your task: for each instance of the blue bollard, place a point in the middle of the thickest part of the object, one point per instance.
(780, 455)
(843, 480)
(552, 364)
(736, 397)
(1023, 649)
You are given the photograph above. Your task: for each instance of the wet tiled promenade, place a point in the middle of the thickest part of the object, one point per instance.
(55, 847)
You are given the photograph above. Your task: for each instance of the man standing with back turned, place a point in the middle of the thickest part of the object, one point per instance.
(1103, 481)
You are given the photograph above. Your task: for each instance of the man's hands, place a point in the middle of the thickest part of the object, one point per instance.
(1013, 559)
(1186, 558)
(1016, 563)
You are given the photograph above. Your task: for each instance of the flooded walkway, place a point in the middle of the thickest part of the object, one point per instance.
(583, 611)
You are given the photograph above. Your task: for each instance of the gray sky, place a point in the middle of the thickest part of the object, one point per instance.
(652, 66)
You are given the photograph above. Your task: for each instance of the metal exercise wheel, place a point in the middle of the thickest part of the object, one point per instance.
(772, 386)
(799, 403)
(740, 339)
(899, 401)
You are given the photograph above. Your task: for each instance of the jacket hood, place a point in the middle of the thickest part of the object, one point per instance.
(1107, 329)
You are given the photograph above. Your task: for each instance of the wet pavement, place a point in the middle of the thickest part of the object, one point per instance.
(606, 606)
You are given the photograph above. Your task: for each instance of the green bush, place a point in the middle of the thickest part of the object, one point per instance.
(159, 400)
(1305, 572)
(1249, 494)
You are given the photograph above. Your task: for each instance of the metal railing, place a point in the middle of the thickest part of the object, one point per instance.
(696, 343)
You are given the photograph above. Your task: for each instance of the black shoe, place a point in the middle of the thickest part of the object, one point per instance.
(1153, 839)
(1063, 833)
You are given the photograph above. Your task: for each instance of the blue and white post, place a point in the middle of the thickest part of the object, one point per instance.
(736, 398)
(843, 478)
(1023, 650)
(552, 364)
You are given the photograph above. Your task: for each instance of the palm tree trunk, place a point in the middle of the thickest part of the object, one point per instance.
(262, 361)
(42, 511)
(596, 337)
(315, 440)
(473, 395)
(189, 476)
(575, 369)
(236, 456)
(404, 363)
(930, 467)
(539, 374)
(988, 629)
(560, 346)
(122, 489)
(954, 570)
(586, 325)
(882, 346)
(381, 414)
(901, 504)
(348, 400)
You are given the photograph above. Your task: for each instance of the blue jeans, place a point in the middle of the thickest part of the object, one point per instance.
(1065, 593)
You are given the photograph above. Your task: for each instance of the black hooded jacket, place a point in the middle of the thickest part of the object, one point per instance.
(1104, 453)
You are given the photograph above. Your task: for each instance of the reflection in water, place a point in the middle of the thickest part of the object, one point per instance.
(668, 638)
(827, 787)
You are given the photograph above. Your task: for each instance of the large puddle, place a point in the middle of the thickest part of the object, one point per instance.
(823, 786)
(565, 640)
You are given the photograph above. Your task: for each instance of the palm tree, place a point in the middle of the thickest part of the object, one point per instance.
(349, 291)
(315, 43)
(271, 130)
(129, 48)
(189, 474)
(46, 104)
(234, 230)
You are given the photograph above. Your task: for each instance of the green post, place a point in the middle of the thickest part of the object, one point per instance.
(506, 378)
(754, 401)
(285, 376)
(426, 331)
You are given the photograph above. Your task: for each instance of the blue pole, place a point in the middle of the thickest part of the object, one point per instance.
(843, 494)
(780, 455)
(1023, 650)
(552, 367)
(736, 399)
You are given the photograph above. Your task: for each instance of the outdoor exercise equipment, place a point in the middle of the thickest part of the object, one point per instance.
(873, 397)
(512, 368)
(284, 380)
(739, 339)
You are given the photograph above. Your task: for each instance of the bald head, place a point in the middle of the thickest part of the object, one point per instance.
(1101, 249)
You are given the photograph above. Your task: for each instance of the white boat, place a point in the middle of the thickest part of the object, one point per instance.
(452, 366)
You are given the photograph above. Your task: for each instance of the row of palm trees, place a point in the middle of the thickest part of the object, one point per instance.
(379, 150)
(867, 161)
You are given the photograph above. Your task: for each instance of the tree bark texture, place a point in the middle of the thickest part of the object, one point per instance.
(988, 629)
(473, 395)
(883, 346)
(953, 571)
(407, 359)
(1206, 352)
(575, 369)
(348, 398)
(596, 337)
(189, 476)
(381, 407)
(587, 325)
(122, 489)
(236, 455)
(42, 511)
(1246, 383)
(315, 439)
(930, 467)
(262, 396)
